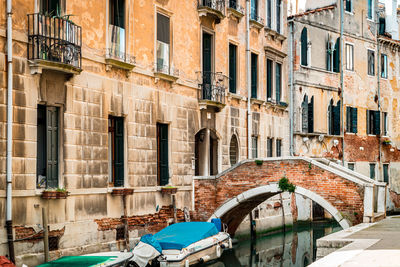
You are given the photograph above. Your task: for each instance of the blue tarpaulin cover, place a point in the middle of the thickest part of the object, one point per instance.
(149, 239)
(181, 235)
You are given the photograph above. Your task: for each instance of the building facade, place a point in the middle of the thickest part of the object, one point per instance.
(354, 122)
(122, 102)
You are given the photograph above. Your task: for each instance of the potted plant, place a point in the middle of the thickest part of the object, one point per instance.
(169, 189)
(386, 142)
(54, 193)
(258, 162)
(122, 191)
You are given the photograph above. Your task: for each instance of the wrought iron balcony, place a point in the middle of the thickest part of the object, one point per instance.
(166, 72)
(235, 6)
(256, 21)
(213, 8)
(120, 59)
(54, 43)
(212, 88)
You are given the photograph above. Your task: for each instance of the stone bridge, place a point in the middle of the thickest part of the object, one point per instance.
(350, 197)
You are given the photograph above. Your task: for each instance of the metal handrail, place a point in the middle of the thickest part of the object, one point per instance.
(218, 5)
(54, 39)
(212, 86)
(166, 69)
(234, 4)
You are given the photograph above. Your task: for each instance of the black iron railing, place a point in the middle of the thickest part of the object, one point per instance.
(54, 39)
(113, 53)
(166, 69)
(234, 4)
(212, 86)
(256, 18)
(218, 5)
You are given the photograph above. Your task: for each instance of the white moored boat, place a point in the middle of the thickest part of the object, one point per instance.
(182, 244)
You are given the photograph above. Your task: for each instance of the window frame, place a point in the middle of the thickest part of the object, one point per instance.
(372, 164)
(385, 123)
(276, 82)
(254, 149)
(269, 14)
(168, 15)
(347, 45)
(159, 125)
(256, 55)
(351, 7)
(278, 147)
(237, 149)
(384, 66)
(112, 153)
(372, 10)
(350, 111)
(110, 51)
(270, 98)
(351, 164)
(270, 147)
(304, 58)
(236, 66)
(387, 165)
(368, 62)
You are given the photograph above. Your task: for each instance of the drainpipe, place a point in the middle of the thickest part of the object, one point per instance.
(9, 133)
(341, 77)
(248, 79)
(291, 98)
(379, 93)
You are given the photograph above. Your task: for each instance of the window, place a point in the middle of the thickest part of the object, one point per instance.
(254, 145)
(386, 173)
(117, 28)
(163, 43)
(162, 154)
(116, 150)
(385, 123)
(269, 146)
(47, 147)
(269, 79)
(349, 57)
(349, 6)
(351, 120)
(329, 55)
(336, 56)
(370, 9)
(371, 62)
(373, 122)
(51, 7)
(278, 81)
(372, 170)
(384, 67)
(382, 26)
(234, 150)
(350, 166)
(307, 115)
(254, 59)
(269, 13)
(334, 118)
(254, 10)
(232, 68)
(304, 47)
(278, 15)
(278, 147)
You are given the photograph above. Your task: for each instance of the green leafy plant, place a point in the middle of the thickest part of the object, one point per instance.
(258, 162)
(58, 189)
(285, 185)
(386, 142)
(309, 165)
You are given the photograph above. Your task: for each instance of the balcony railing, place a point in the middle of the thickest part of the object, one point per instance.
(166, 69)
(54, 39)
(218, 5)
(256, 18)
(212, 86)
(234, 4)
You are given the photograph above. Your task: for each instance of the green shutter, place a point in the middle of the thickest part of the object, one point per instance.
(304, 114)
(232, 68)
(348, 119)
(311, 115)
(386, 173)
(336, 56)
(269, 79)
(330, 117)
(254, 76)
(336, 119)
(207, 65)
(119, 151)
(304, 48)
(52, 147)
(354, 120)
(377, 123)
(163, 154)
(278, 82)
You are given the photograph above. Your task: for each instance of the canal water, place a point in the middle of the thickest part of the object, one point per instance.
(295, 247)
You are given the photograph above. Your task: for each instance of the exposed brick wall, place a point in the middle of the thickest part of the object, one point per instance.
(28, 233)
(395, 198)
(150, 223)
(345, 196)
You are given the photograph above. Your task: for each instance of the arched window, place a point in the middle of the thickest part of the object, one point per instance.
(304, 47)
(336, 56)
(233, 150)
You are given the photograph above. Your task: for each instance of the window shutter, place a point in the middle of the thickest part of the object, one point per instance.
(232, 68)
(278, 83)
(253, 76)
(368, 122)
(336, 56)
(330, 117)
(382, 26)
(348, 119)
(311, 115)
(304, 47)
(52, 147)
(377, 123)
(328, 56)
(119, 152)
(163, 28)
(269, 79)
(278, 16)
(304, 114)
(354, 120)
(163, 154)
(336, 119)
(269, 9)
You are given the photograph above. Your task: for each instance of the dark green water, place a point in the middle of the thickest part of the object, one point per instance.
(296, 247)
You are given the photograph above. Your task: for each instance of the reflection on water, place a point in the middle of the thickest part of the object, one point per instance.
(296, 247)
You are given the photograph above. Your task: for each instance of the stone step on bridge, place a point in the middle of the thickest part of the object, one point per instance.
(350, 197)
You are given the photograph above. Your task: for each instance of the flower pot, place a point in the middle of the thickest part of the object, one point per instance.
(54, 195)
(117, 192)
(169, 190)
(259, 162)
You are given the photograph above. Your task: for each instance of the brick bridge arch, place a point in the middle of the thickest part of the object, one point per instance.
(348, 196)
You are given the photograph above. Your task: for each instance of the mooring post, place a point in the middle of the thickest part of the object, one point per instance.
(45, 235)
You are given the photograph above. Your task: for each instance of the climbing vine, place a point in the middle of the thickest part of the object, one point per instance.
(285, 185)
